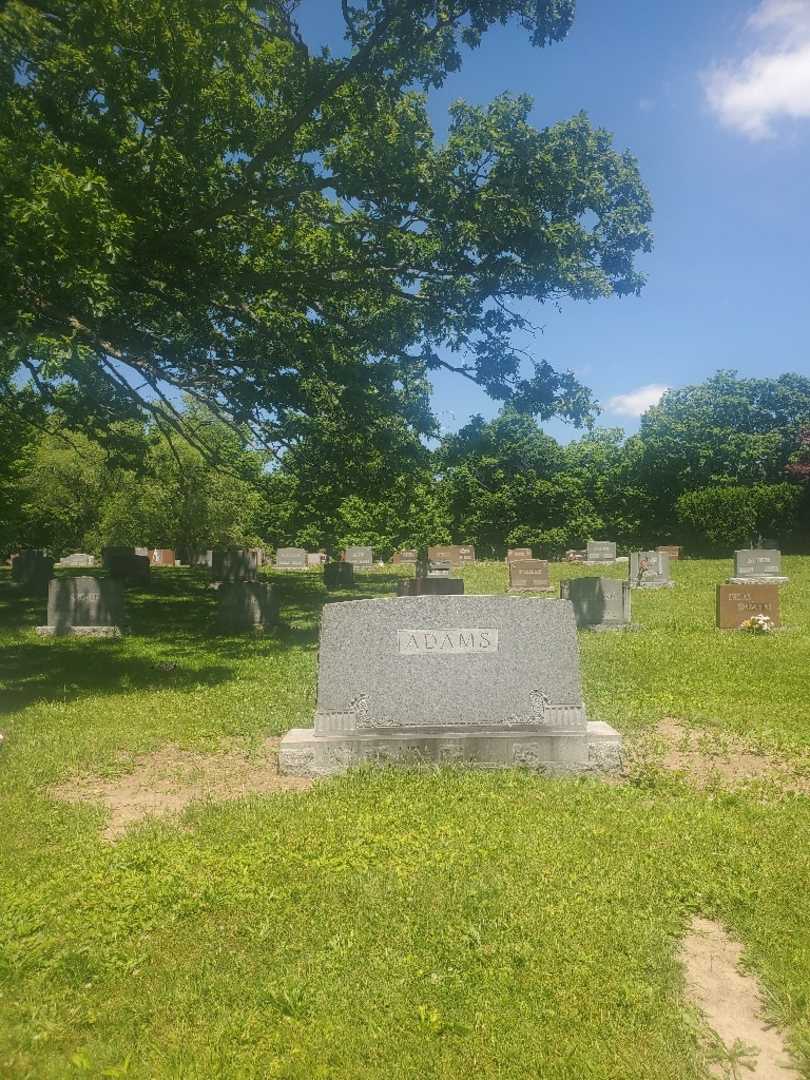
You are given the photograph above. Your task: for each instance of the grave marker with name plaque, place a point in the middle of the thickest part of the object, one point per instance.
(490, 681)
(84, 606)
(650, 570)
(519, 554)
(529, 575)
(600, 603)
(359, 556)
(600, 552)
(291, 559)
(455, 554)
(673, 550)
(408, 557)
(736, 603)
(758, 566)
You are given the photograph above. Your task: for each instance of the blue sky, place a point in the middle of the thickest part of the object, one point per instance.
(713, 98)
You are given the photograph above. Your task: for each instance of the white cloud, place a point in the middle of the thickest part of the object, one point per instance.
(637, 401)
(772, 81)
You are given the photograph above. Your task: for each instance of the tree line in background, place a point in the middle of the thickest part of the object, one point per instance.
(713, 467)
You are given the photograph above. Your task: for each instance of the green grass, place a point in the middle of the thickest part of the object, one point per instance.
(393, 924)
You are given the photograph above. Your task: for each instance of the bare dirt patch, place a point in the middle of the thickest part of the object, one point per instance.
(742, 1042)
(168, 780)
(711, 758)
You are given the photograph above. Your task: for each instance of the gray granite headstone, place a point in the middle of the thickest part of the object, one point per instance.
(600, 603)
(430, 586)
(85, 606)
(529, 575)
(234, 564)
(128, 567)
(492, 681)
(650, 570)
(338, 575)
(246, 606)
(359, 556)
(78, 558)
(291, 559)
(758, 565)
(600, 551)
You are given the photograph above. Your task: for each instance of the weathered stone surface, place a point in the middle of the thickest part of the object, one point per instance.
(359, 556)
(529, 575)
(519, 554)
(758, 566)
(430, 586)
(600, 552)
(316, 558)
(291, 559)
(338, 575)
(161, 556)
(128, 567)
(407, 555)
(246, 606)
(673, 550)
(455, 554)
(600, 603)
(650, 570)
(234, 564)
(85, 605)
(736, 603)
(492, 681)
(78, 558)
(32, 570)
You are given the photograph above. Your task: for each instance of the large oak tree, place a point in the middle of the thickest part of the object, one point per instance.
(194, 199)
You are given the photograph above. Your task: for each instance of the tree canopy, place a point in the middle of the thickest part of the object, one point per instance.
(197, 201)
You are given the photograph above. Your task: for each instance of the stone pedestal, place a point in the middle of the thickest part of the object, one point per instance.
(486, 681)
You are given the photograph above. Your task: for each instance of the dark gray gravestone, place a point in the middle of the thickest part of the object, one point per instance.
(650, 570)
(234, 564)
(338, 575)
(246, 606)
(529, 575)
(110, 553)
(430, 586)
(600, 603)
(600, 551)
(200, 557)
(32, 570)
(359, 556)
(758, 566)
(129, 567)
(291, 559)
(86, 606)
(492, 681)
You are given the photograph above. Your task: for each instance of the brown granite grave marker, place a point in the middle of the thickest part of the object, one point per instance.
(736, 603)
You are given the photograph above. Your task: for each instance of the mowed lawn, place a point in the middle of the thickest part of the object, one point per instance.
(386, 925)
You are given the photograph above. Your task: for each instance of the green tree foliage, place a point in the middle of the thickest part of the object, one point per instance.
(735, 516)
(194, 198)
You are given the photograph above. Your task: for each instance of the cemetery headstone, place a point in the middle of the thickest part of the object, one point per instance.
(246, 606)
(600, 603)
(359, 556)
(600, 552)
(338, 575)
(86, 606)
(455, 554)
(575, 555)
(430, 586)
(650, 570)
(758, 566)
(200, 557)
(234, 564)
(31, 569)
(490, 681)
(161, 556)
(78, 558)
(128, 567)
(137, 550)
(529, 575)
(737, 603)
(291, 559)
(109, 553)
(406, 556)
(316, 558)
(519, 553)
(673, 550)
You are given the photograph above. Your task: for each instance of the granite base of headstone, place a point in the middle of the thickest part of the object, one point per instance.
(529, 575)
(490, 682)
(758, 566)
(650, 570)
(234, 564)
(135, 568)
(85, 607)
(430, 586)
(338, 575)
(246, 606)
(738, 603)
(600, 603)
(291, 559)
(600, 553)
(77, 559)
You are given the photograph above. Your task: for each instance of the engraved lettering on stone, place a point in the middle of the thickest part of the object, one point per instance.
(448, 641)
